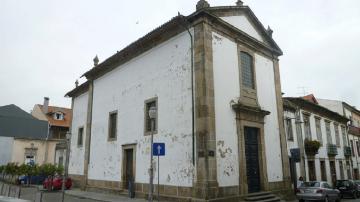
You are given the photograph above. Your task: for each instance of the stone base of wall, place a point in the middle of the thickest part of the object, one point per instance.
(77, 180)
(177, 193)
(283, 189)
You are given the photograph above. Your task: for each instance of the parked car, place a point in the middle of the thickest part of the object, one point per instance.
(38, 179)
(348, 188)
(56, 183)
(317, 190)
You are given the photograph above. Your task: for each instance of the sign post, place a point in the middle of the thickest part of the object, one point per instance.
(158, 150)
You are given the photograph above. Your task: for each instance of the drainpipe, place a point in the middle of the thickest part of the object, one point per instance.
(192, 89)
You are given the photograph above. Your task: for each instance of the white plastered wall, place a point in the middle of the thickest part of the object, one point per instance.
(162, 72)
(6, 147)
(226, 88)
(243, 23)
(76, 161)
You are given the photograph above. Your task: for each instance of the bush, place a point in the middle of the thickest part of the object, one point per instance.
(311, 146)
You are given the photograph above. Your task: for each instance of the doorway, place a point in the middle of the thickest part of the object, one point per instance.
(252, 159)
(128, 166)
(333, 172)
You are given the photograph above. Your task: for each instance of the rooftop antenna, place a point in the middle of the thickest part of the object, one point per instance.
(303, 90)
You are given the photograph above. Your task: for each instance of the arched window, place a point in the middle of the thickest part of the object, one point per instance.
(247, 70)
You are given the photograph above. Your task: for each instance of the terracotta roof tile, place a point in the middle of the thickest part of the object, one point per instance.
(62, 123)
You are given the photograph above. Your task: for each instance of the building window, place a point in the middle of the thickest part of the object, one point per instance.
(312, 172)
(112, 125)
(58, 116)
(345, 143)
(358, 147)
(341, 170)
(148, 104)
(337, 136)
(307, 126)
(289, 130)
(80, 136)
(318, 129)
(323, 171)
(328, 132)
(352, 148)
(247, 70)
(30, 155)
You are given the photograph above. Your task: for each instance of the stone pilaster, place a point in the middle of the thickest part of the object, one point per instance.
(88, 135)
(280, 112)
(205, 185)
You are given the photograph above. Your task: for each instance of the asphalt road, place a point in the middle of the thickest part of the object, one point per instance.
(55, 196)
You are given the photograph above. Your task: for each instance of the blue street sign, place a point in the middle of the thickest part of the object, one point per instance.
(158, 149)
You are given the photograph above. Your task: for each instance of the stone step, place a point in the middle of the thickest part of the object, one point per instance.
(259, 193)
(274, 199)
(259, 197)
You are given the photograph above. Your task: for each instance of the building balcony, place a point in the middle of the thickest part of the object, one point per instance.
(347, 151)
(332, 150)
(354, 130)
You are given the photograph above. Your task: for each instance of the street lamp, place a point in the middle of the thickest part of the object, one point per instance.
(152, 115)
(67, 148)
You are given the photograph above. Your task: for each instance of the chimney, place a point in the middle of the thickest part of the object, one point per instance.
(45, 105)
(76, 83)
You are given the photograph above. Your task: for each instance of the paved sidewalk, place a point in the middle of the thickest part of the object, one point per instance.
(102, 197)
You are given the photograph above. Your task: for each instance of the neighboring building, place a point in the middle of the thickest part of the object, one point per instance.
(223, 130)
(305, 119)
(353, 115)
(23, 137)
(59, 121)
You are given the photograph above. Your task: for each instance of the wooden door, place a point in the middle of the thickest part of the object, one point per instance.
(252, 159)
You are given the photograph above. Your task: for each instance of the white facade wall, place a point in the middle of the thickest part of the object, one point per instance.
(355, 157)
(322, 153)
(77, 153)
(226, 76)
(333, 105)
(162, 72)
(227, 88)
(6, 147)
(243, 23)
(265, 83)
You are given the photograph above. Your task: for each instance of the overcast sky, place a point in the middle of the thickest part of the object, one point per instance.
(46, 45)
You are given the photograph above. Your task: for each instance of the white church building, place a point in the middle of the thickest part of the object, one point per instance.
(213, 77)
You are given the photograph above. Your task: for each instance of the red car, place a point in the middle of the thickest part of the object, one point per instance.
(56, 183)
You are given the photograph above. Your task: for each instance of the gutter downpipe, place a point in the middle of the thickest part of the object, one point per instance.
(192, 87)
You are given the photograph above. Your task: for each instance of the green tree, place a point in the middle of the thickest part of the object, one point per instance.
(12, 169)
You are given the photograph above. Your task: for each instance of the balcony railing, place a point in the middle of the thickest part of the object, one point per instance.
(347, 151)
(332, 150)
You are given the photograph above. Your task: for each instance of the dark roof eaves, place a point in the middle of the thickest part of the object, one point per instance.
(352, 108)
(337, 116)
(78, 90)
(123, 56)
